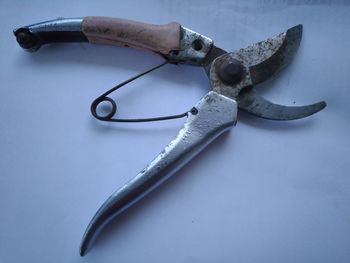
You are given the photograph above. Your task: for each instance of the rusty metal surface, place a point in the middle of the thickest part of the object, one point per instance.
(270, 56)
(260, 62)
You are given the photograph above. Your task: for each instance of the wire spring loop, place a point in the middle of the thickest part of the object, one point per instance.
(109, 117)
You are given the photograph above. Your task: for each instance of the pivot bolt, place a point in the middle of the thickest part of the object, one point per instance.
(231, 71)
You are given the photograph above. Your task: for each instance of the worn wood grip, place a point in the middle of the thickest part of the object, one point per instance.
(122, 32)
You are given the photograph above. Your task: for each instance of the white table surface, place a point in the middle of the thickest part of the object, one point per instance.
(264, 192)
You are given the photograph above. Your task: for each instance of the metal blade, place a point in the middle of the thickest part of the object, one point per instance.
(250, 101)
(273, 54)
(262, 59)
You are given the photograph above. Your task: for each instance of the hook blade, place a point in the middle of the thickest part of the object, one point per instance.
(249, 100)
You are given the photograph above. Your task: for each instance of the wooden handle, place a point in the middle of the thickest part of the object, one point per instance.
(115, 31)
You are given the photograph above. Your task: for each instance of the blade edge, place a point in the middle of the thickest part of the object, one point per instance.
(250, 101)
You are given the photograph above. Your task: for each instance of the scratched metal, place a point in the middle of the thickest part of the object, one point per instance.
(215, 115)
(252, 57)
(261, 61)
(253, 103)
(194, 47)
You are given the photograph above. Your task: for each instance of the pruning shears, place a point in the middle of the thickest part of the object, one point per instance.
(232, 76)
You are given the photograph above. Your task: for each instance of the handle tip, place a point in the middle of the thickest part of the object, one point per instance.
(27, 39)
(82, 251)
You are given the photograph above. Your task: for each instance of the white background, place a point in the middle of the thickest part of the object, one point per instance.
(265, 192)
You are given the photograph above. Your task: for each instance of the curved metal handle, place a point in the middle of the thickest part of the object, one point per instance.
(215, 114)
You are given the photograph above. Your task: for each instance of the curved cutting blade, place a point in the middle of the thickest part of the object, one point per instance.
(250, 101)
(273, 54)
(265, 58)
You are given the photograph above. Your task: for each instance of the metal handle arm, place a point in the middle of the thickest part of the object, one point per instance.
(215, 114)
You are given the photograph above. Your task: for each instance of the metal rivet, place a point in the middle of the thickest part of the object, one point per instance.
(231, 71)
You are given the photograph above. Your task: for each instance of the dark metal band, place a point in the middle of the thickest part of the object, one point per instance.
(32, 37)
